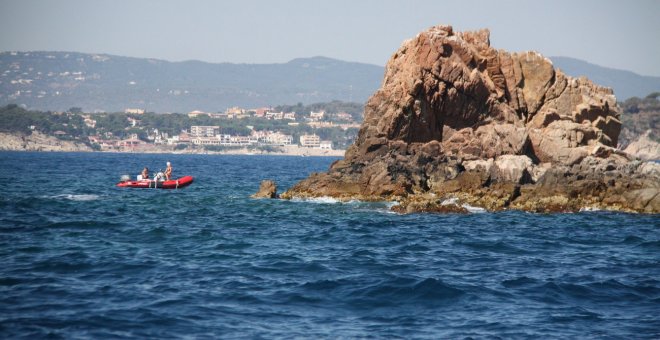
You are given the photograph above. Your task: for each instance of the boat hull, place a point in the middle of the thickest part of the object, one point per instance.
(151, 184)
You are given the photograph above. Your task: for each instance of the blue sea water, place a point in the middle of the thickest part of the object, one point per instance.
(80, 258)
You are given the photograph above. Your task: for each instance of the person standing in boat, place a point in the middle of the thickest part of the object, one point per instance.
(145, 173)
(168, 171)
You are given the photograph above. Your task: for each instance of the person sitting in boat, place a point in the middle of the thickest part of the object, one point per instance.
(168, 171)
(145, 173)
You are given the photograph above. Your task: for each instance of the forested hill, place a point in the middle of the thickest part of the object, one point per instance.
(99, 82)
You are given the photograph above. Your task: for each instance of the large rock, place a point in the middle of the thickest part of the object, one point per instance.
(267, 189)
(644, 147)
(511, 168)
(455, 116)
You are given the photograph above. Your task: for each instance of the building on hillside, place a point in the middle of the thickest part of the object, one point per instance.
(204, 130)
(238, 140)
(278, 138)
(130, 143)
(261, 111)
(218, 115)
(133, 122)
(318, 125)
(172, 140)
(349, 126)
(89, 121)
(316, 116)
(183, 138)
(275, 115)
(325, 145)
(234, 111)
(290, 116)
(310, 141)
(135, 111)
(203, 140)
(344, 116)
(196, 113)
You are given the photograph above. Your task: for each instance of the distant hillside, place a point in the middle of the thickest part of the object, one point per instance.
(626, 84)
(99, 82)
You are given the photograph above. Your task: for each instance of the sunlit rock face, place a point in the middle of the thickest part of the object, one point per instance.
(456, 117)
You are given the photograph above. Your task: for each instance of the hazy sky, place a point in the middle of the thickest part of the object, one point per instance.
(618, 34)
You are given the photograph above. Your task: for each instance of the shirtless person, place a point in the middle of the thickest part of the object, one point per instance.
(168, 171)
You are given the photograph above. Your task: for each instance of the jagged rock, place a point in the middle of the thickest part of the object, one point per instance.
(267, 189)
(456, 118)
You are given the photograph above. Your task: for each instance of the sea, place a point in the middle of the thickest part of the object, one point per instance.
(83, 259)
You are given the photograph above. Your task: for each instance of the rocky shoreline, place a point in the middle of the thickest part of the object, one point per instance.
(37, 141)
(457, 122)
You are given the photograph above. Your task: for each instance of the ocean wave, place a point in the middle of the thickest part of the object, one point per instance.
(397, 291)
(519, 282)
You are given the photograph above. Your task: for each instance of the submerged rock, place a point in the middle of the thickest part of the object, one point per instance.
(456, 118)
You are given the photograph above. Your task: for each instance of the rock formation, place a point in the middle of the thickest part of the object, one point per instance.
(267, 189)
(37, 141)
(456, 118)
(644, 147)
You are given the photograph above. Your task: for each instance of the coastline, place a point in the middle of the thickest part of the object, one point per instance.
(38, 142)
(286, 151)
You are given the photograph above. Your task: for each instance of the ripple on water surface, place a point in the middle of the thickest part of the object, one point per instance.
(88, 259)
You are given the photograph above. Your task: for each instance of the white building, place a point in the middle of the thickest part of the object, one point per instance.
(277, 138)
(204, 130)
(310, 141)
(325, 145)
(274, 115)
(316, 115)
(196, 113)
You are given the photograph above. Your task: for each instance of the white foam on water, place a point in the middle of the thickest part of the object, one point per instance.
(392, 204)
(320, 200)
(80, 197)
(473, 209)
(470, 208)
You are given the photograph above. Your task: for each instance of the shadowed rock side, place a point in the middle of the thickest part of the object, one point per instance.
(456, 118)
(267, 189)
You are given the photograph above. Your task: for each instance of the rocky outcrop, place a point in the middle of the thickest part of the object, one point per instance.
(457, 118)
(37, 141)
(267, 189)
(644, 147)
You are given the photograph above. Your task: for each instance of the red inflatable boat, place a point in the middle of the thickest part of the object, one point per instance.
(148, 183)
